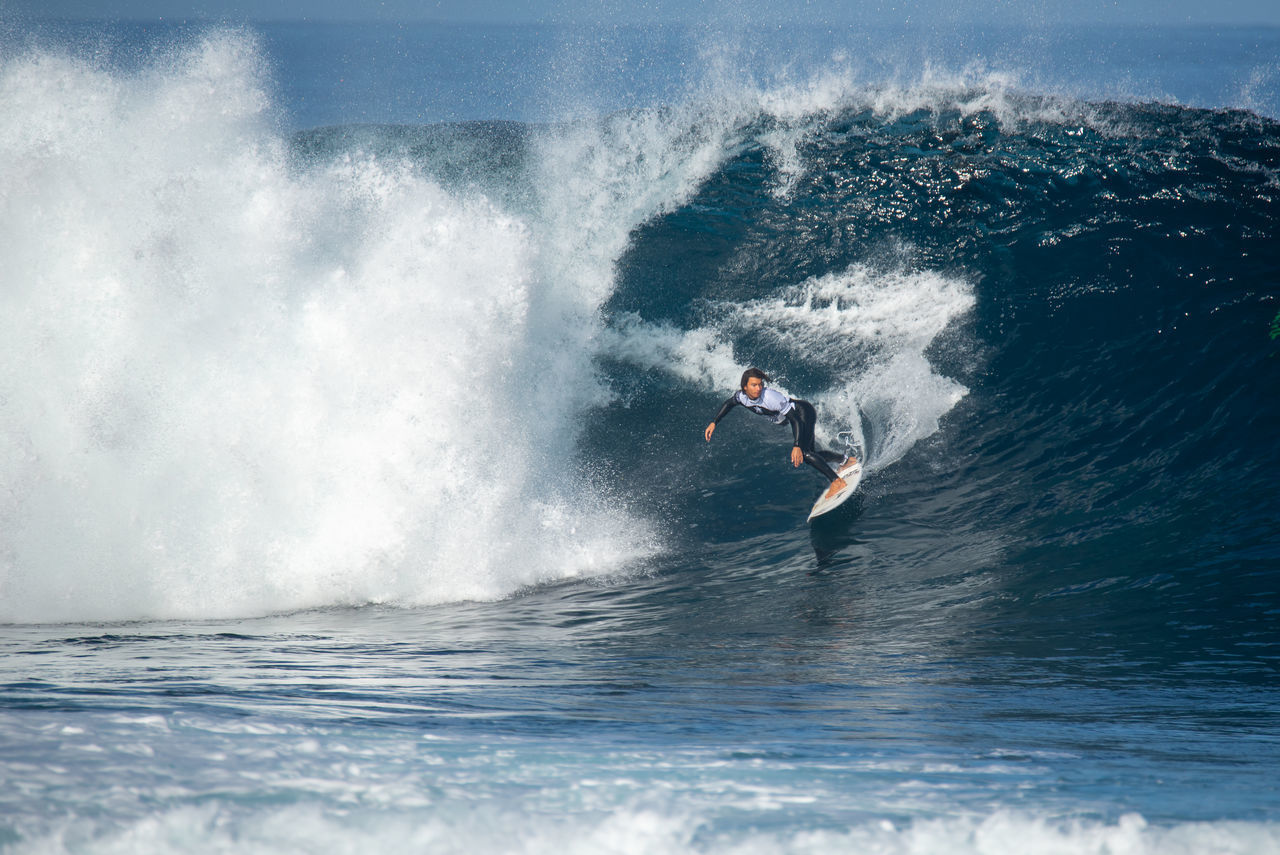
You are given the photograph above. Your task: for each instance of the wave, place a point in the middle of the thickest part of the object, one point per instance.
(248, 373)
(1080, 298)
(667, 831)
(237, 382)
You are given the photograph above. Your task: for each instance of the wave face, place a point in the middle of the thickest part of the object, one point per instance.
(248, 373)
(1054, 324)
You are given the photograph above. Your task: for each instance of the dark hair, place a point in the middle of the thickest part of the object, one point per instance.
(752, 372)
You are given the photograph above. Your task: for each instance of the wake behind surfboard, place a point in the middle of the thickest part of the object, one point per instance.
(851, 472)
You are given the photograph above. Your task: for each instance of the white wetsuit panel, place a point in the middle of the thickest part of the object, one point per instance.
(771, 403)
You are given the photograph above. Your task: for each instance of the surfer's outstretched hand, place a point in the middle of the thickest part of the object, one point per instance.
(797, 456)
(711, 428)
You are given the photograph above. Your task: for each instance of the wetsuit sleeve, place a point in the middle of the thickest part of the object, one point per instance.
(793, 418)
(725, 408)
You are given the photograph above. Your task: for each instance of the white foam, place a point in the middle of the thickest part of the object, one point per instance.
(700, 356)
(632, 829)
(232, 387)
(870, 328)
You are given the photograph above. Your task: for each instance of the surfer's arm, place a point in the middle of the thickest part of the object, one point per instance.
(797, 453)
(724, 410)
(793, 418)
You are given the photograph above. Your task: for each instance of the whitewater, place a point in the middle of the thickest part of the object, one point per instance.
(354, 495)
(233, 376)
(234, 372)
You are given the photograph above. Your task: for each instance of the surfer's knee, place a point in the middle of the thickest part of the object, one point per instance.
(821, 465)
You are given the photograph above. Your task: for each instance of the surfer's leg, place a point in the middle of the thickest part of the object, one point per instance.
(839, 461)
(836, 482)
(808, 418)
(821, 465)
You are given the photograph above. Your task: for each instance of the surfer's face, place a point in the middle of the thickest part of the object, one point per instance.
(754, 387)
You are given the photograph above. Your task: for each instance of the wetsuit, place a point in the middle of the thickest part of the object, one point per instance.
(780, 409)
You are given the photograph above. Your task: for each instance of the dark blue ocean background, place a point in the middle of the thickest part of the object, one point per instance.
(353, 493)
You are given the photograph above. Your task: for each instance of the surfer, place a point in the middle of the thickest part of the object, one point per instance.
(799, 414)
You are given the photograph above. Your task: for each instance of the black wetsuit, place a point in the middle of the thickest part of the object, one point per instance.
(799, 414)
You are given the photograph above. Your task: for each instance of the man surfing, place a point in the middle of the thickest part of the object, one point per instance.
(780, 409)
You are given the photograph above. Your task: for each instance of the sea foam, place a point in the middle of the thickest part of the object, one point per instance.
(237, 384)
(640, 829)
(868, 328)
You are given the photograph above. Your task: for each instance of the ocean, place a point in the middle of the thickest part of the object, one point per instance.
(353, 488)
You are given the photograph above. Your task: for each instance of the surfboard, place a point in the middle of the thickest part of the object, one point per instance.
(851, 472)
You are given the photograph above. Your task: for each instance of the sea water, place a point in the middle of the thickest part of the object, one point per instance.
(353, 493)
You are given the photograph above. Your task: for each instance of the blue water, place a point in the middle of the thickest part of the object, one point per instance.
(354, 494)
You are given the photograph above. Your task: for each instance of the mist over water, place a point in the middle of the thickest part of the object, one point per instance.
(239, 383)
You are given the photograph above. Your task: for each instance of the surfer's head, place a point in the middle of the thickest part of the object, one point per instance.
(753, 380)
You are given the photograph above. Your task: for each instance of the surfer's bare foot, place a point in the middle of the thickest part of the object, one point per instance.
(836, 486)
(848, 464)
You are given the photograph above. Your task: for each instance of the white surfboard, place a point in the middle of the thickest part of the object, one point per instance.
(851, 472)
